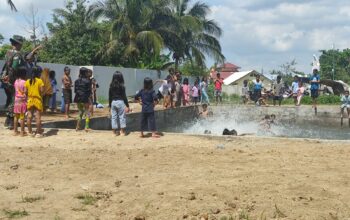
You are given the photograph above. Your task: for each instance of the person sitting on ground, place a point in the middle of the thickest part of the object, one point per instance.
(148, 99)
(204, 112)
(345, 104)
(82, 89)
(227, 132)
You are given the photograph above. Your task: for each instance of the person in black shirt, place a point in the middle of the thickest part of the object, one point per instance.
(147, 97)
(82, 89)
(118, 103)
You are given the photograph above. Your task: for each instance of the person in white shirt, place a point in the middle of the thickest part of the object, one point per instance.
(345, 104)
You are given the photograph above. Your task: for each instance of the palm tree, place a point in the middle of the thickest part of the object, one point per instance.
(130, 28)
(12, 5)
(198, 35)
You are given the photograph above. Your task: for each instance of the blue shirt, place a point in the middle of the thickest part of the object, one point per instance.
(295, 87)
(258, 85)
(314, 85)
(147, 98)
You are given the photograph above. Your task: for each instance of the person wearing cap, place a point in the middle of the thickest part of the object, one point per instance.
(67, 85)
(13, 60)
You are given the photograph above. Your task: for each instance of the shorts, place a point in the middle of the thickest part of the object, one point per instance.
(195, 99)
(344, 106)
(67, 95)
(217, 93)
(277, 98)
(20, 116)
(314, 93)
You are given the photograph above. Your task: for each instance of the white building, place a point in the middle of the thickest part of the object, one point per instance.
(234, 83)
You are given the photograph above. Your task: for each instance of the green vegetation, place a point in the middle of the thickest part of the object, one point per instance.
(87, 199)
(152, 34)
(340, 59)
(31, 199)
(15, 213)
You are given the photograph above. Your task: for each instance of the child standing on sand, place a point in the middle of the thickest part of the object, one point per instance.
(82, 89)
(147, 97)
(35, 89)
(118, 103)
(20, 106)
(245, 92)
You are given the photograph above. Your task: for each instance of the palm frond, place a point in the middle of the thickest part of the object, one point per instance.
(12, 5)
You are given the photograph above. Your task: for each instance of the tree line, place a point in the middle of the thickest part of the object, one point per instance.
(152, 34)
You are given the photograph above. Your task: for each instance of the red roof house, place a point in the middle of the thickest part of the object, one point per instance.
(225, 70)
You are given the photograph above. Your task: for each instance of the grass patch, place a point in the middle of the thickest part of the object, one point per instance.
(10, 187)
(86, 199)
(31, 199)
(15, 213)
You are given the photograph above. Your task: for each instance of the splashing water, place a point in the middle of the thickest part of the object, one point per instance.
(230, 119)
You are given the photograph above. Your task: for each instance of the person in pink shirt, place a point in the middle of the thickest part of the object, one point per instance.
(195, 93)
(218, 88)
(300, 94)
(20, 107)
(185, 92)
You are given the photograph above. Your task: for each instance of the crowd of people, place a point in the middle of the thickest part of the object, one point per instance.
(31, 91)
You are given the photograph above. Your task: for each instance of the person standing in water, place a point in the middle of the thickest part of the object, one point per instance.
(315, 86)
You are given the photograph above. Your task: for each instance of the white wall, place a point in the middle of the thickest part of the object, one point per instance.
(133, 78)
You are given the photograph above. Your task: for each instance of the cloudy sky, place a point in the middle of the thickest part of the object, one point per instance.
(258, 34)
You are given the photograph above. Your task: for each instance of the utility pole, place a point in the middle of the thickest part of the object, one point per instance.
(333, 70)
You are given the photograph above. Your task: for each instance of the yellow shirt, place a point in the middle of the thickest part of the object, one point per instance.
(34, 97)
(34, 89)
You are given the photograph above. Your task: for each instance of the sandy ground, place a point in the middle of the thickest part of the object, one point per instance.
(174, 177)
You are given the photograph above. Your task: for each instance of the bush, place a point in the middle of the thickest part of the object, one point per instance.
(307, 100)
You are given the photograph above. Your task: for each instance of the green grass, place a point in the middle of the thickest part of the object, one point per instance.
(31, 199)
(15, 213)
(86, 199)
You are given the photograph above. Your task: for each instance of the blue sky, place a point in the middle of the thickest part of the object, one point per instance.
(258, 34)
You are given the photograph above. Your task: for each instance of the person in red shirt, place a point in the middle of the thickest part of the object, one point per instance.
(218, 88)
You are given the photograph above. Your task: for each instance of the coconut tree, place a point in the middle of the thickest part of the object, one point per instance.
(130, 28)
(12, 5)
(198, 36)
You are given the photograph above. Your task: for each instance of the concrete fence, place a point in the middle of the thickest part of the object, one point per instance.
(133, 78)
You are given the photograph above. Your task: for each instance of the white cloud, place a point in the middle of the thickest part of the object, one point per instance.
(257, 33)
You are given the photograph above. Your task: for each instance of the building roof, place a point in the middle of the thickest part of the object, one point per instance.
(239, 75)
(229, 66)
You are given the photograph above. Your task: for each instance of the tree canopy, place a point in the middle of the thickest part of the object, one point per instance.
(132, 33)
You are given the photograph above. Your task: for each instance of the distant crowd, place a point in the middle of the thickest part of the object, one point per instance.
(31, 91)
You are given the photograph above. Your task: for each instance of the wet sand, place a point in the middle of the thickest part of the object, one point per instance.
(174, 177)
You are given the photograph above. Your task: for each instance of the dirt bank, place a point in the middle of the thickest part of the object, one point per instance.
(72, 175)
